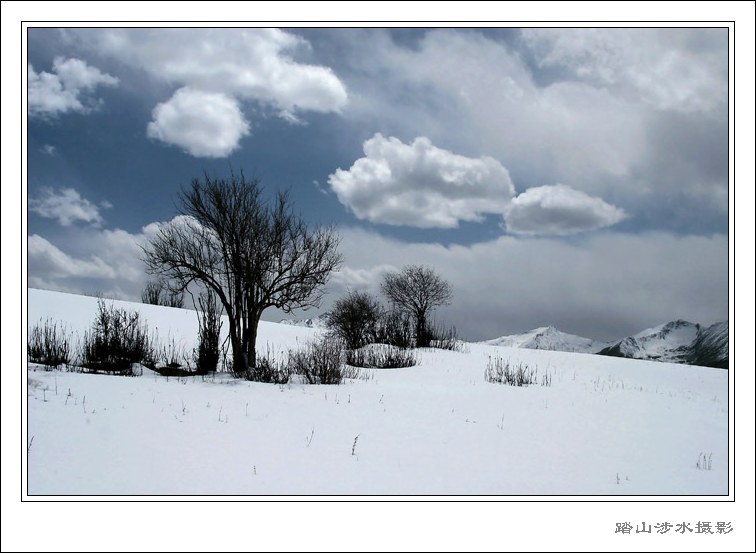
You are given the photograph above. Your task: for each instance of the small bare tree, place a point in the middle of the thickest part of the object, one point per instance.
(151, 292)
(251, 254)
(158, 292)
(417, 290)
(355, 319)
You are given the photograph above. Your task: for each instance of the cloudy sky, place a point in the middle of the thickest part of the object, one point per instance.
(574, 177)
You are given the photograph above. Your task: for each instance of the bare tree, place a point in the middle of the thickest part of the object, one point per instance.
(159, 292)
(251, 254)
(355, 319)
(151, 292)
(417, 290)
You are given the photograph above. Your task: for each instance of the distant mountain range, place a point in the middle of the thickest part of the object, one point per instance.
(673, 342)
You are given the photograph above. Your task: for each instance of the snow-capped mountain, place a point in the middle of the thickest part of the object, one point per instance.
(549, 338)
(676, 342)
(668, 342)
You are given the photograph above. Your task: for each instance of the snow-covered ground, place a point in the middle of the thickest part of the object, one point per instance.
(605, 426)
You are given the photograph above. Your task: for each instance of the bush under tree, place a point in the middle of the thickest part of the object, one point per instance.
(270, 369)
(320, 361)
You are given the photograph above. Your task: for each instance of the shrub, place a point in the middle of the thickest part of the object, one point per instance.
(49, 344)
(396, 329)
(381, 356)
(207, 354)
(115, 342)
(172, 359)
(270, 370)
(444, 338)
(500, 371)
(319, 362)
(355, 318)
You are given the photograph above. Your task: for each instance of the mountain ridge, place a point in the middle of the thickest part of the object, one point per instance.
(677, 341)
(549, 338)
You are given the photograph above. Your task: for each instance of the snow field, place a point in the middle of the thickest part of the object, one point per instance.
(605, 426)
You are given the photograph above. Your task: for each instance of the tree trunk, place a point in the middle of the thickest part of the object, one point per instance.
(240, 356)
(253, 322)
(421, 333)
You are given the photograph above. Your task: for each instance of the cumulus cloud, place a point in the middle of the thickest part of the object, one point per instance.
(421, 185)
(249, 63)
(222, 65)
(204, 124)
(559, 210)
(491, 103)
(557, 118)
(52, 94)
(67, 206)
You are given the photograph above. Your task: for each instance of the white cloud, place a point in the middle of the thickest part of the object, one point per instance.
(67, 206)
(233, 64)
(559, 210)
(204, 124)
(48, 263)
(421, 185)
(249, 63)
(347, 278)
(546, 123)
(92, 261)
(491, 103)
(51, 94)
(677, 69)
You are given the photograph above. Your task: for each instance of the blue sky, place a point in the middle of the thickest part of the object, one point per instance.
(574, 177)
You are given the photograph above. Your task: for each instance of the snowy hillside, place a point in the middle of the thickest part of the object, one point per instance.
(604, 426)
(549, 338)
